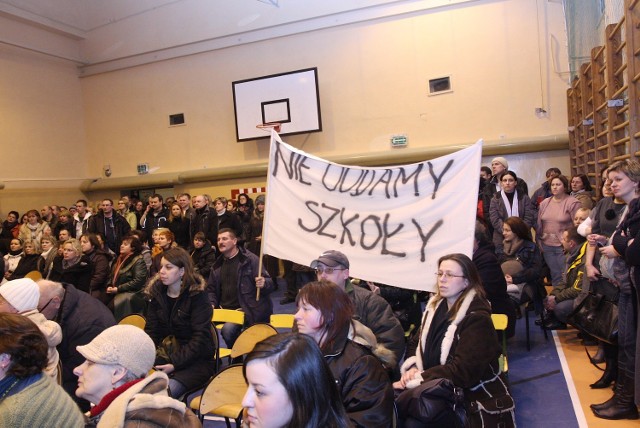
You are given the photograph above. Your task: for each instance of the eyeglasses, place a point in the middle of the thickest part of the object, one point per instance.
(45, 306)
(327, 270)
(447, 275)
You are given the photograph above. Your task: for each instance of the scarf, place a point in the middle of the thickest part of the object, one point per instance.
(116, 270)
(512, 247)
(108, 399)
(512, 209)
(68, 264)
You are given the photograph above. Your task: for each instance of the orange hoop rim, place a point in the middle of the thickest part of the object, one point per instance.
(268, 126)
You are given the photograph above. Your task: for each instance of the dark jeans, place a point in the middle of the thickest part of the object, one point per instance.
(627, 325)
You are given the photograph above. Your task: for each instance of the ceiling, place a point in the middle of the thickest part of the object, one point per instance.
(106, 35)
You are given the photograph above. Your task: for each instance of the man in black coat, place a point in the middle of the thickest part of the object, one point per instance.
(81, 317)
(155, 216)
(111, 225)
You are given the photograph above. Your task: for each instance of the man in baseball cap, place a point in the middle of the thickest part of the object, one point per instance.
(371, 309)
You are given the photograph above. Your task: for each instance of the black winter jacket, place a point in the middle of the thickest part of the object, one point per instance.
(255, 311)
(190, 322)
(79, 274)
(363, 383)
(82, 318)
(203, 259)
(120, 224)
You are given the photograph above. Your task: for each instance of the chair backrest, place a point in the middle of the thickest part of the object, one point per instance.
(34, 275)
(248, 339)
(500, 322)
(281, 320)
(227, 388)
(227, 315)
(135, 320)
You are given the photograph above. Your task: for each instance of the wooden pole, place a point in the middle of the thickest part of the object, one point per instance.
(274, 129)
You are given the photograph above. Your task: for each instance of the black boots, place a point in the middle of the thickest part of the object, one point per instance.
(609, 374)
(621, 405)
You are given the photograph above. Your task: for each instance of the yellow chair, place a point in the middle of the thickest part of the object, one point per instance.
(223, 395)
(500, 322)
(135, 320)
(282, 321)
(34, 275)
(248, 339)
(219, 317)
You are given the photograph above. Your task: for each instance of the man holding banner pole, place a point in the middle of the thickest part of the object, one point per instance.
(235, 277)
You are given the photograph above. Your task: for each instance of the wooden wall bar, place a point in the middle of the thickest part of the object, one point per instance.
(604, 100)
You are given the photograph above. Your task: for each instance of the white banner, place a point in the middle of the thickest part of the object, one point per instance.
(392, 223)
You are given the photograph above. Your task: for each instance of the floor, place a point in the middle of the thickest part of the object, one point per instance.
(550, 383)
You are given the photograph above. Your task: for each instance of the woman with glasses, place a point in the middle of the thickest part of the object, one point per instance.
(325, 313)
(457, 340)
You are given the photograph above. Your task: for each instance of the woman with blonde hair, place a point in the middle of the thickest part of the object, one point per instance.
(621, 251)
(72, 267)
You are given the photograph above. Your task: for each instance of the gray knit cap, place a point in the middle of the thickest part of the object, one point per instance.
(124, 345)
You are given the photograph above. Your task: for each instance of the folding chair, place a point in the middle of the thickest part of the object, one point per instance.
(282, 321)
(248, 339)
(219, 317)
(223, 396)
(500, 322)
(135, 320)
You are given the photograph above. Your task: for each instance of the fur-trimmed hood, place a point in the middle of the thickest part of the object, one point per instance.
(361, 334)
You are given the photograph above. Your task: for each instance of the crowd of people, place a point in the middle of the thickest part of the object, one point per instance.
(581, 239)
(371, 350)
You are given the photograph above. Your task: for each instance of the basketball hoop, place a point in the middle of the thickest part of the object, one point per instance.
(268, 126)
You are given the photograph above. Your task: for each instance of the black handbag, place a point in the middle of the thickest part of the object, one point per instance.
(597, 314)
(433, 402)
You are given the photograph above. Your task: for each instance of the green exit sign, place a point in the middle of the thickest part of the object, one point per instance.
(399, 141)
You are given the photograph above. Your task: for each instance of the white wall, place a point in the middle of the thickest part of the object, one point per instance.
(373, 83)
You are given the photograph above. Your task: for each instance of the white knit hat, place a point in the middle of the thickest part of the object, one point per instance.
(501, 160)
(23, 294)
(125, 345)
